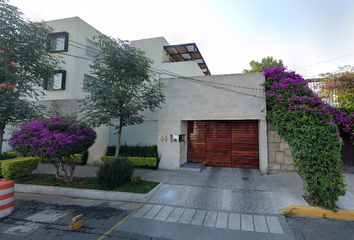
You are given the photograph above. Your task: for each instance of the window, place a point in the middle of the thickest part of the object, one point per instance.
(58, 81)
(86, 76)
(91, 49)
(60, 42)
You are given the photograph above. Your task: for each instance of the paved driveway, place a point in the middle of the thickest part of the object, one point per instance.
(217, 203)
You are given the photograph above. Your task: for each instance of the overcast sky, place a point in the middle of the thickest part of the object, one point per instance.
(228, 33)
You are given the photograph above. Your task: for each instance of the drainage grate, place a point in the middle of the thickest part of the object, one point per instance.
(245, 178)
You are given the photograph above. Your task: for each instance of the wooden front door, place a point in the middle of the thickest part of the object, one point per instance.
(223, 143)
(196, 141)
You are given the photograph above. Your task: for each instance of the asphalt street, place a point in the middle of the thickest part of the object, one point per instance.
(49, 217)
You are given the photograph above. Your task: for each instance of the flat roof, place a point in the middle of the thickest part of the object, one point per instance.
(187, 52)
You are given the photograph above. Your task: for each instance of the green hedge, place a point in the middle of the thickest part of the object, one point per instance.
(138, 161)
(79, 158)
(133, 151)
(18, 167)
(8, 155)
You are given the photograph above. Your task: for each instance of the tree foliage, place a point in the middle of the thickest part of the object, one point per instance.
(339, 86)
(25, 64)
(56, 140)
(266, 62)
(122, 88)
(312, 128)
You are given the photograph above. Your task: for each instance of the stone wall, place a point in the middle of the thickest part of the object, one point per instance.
(279, 152)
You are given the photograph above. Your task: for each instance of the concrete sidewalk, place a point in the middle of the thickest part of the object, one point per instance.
(228, 188)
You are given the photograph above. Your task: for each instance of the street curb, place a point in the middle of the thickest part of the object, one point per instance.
(86, 193)
(309, 211)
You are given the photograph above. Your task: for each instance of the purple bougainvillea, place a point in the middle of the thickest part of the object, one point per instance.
(312, 128)
(52, 138)
(56, 140)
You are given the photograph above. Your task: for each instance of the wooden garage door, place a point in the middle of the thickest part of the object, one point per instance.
(218, 143)
(223, 143)
(245, 144)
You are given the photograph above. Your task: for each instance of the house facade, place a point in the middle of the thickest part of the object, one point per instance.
(219, 120)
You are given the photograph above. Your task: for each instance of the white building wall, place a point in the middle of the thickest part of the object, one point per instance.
(188, 101)
(78, 31)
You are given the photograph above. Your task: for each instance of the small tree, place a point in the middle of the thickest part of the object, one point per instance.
(123, 86)
(25, 64)
(266, 62)
(55, 140)
(339, 86)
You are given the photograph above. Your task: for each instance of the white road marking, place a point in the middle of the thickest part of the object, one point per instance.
(210, 219)
(187, 216)
(260, 224)
(221, 221)
(175, 215)
(153, 211)
(247, 222)
(198, 217)
(47, 216)
(274, 225)
(164, 213)
(142, 210)
(234, 221)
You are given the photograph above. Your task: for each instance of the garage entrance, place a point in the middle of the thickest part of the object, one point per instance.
(223, 143)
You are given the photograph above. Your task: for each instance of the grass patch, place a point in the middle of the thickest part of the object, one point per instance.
(143, 187)
(83, 183)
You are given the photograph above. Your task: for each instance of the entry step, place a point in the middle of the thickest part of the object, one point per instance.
(192, 166)
(215, 219)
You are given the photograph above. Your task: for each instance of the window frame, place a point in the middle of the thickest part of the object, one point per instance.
(89, 49)
(60, 35)
(63, 81)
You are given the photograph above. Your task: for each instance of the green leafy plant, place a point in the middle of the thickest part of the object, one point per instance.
(83, 183)
(8, 155)
(136, 180)
(114, 173)
(26, 63)
(137, 161)
(123, 86)
(18, 167)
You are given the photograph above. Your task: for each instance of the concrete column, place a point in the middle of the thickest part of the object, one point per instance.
(263, 148)
(170, 151)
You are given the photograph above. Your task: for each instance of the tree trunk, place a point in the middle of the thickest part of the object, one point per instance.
(56, 165)
(72, 169)
(2, 128)
(119, 136)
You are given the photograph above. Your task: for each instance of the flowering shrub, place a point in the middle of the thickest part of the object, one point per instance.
(54, 139)
(312, 128)
(339, 86)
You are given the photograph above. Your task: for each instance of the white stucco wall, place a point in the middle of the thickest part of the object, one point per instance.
(142, 134)
(75, 68)
(153, 47)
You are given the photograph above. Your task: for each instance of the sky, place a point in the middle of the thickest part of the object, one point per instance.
(306, 34)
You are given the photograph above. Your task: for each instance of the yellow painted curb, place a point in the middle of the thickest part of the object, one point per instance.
(308, 211)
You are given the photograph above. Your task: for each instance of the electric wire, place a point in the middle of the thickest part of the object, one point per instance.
(325, 61)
